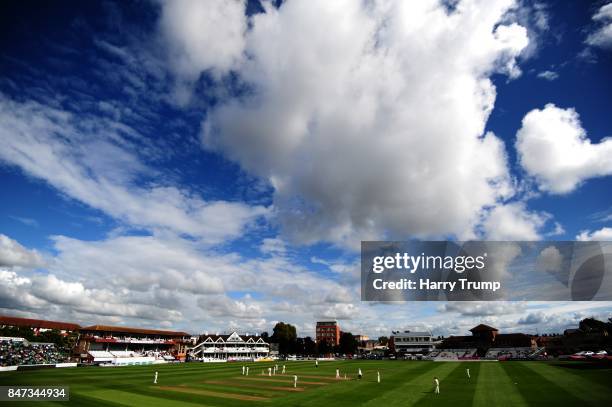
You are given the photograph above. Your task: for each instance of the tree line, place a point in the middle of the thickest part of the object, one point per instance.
(49, 336)
(285, 335)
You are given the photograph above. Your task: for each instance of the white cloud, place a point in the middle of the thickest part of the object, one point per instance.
(273, 246)
(45, 294)
(513, 222)
(125, 281)
(527, 317)
(368, 118)
(13, 254)
(548, 75)
(601, 234)
(549, 259)
(554, 148)
(481, 309)
(534, 16)
(558, 230)
(140, 262)
(137, 278)
(107, 174)
(602, 216)
(223, 307)
(602, 36)
(202, 35)
(14, 292)
(339, 311)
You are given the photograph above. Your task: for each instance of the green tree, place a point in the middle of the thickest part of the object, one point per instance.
(323, 348)
(383, 340)
(286, 337)
(348, 344)
(310, 347)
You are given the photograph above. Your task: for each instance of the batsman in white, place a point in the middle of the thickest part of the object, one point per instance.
(294, 381)
(155, 379)
(437, 384)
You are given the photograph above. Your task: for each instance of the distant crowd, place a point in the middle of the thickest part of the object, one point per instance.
(14, 353)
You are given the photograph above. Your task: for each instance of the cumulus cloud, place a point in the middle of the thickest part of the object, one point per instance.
(513, 222)
(224, 307)
(14, 292)
(202, 35)
(532, 318)
(554, 149)
(386, 130)
(42, 294)
(339, 311)
(13, 254)
(602, 36)
(273, 246)
(604, 233)
(55, 146)
(140, 262)
(549, 259)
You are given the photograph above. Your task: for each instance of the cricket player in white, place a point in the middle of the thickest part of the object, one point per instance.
(155, 379)
(243, 370)
(359, 373)
(283, 369)
(294, 381)
(437, 384)
(316, 363)
(247, 371)
(269, 371)
(467, 371)
(337, 373)
(378, 377)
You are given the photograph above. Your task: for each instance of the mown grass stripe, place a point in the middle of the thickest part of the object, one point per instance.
(590, 391)
(495, 388)
(135, 399)
(536, 388)
(455, 388)
(413, 387)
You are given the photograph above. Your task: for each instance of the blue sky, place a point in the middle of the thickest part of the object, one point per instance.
(213, 165)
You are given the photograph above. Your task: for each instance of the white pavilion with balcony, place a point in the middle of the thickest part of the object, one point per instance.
(229, 347)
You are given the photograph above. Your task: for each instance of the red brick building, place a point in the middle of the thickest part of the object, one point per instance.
(328, 331)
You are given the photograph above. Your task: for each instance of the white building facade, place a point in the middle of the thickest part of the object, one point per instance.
(411, 342)
(230, 347)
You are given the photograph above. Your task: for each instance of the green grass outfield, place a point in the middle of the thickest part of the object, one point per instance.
(404, 383)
